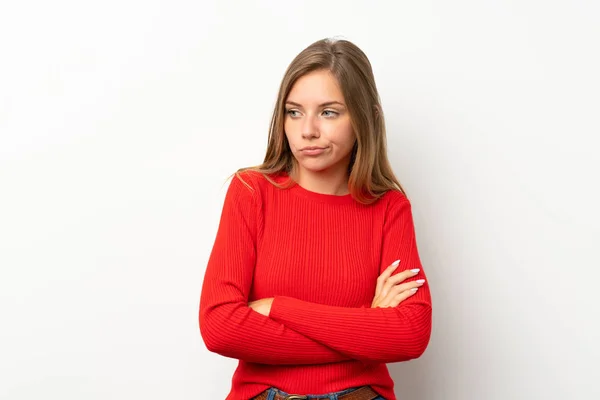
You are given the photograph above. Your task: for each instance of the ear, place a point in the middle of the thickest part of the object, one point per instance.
(377, 112)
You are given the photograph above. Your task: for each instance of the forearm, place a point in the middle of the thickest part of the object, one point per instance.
(368, 334)
(236, 331)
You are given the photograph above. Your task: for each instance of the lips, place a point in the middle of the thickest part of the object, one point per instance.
(312, 150)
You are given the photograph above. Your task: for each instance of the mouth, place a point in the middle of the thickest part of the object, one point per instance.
(312, 150)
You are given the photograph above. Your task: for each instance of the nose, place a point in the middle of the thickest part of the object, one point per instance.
(310, 128)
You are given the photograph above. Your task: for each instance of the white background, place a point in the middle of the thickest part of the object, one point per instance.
(121, 120)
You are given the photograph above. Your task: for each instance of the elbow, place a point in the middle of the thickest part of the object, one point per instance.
(419, 349)
(213, 343)
(215, 346)
(413, 346)
(406, 347)
(406, 352)
(218, 329)
(421, 335)
(212, 334)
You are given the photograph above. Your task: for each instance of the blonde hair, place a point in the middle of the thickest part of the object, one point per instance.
(370, 173)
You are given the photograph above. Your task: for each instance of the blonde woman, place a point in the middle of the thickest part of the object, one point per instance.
(314, 281)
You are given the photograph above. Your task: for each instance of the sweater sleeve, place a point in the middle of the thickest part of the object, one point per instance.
(227, 325)
(385, 335)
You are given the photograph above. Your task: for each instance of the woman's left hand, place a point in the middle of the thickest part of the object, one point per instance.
(262, 306)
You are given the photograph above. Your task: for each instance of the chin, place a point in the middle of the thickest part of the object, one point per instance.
(315, 166)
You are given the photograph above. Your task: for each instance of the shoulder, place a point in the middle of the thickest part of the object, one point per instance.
(394, 198)
(252, 180)
(249, 185)
(396, 207)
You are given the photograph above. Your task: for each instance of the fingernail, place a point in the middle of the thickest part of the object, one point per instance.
(420, 281)
(415, 270)
(395, 263)
(414, 289)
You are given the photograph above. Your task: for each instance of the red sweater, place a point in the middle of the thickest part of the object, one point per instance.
(319, 257)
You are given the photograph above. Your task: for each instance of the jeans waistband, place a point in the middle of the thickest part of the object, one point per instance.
(331, 395)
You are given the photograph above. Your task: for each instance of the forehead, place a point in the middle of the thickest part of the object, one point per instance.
(316, 87)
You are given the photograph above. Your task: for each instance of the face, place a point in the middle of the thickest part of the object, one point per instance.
(317, 123)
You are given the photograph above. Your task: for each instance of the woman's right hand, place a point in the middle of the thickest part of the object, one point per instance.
(390, 291)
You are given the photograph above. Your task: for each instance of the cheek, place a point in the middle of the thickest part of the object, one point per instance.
(286, 132)
(344, 137)
(289, 130)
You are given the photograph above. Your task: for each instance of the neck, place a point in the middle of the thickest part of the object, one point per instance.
(330, 181)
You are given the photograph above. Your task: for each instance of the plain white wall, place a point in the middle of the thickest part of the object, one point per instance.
(120, 121)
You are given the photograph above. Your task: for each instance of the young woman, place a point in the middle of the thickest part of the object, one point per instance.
(314, 281)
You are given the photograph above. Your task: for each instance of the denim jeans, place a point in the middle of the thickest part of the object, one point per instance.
(331, 395)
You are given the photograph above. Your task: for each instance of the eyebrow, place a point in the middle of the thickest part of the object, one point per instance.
(329, 103)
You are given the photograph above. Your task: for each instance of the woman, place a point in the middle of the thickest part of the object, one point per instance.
(314, 281)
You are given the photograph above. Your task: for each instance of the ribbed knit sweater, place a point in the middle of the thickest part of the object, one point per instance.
(318, 256)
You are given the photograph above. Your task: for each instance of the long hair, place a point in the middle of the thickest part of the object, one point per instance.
(370, 173)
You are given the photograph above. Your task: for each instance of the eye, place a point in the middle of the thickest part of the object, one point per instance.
(291, 112)
(331, 113)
